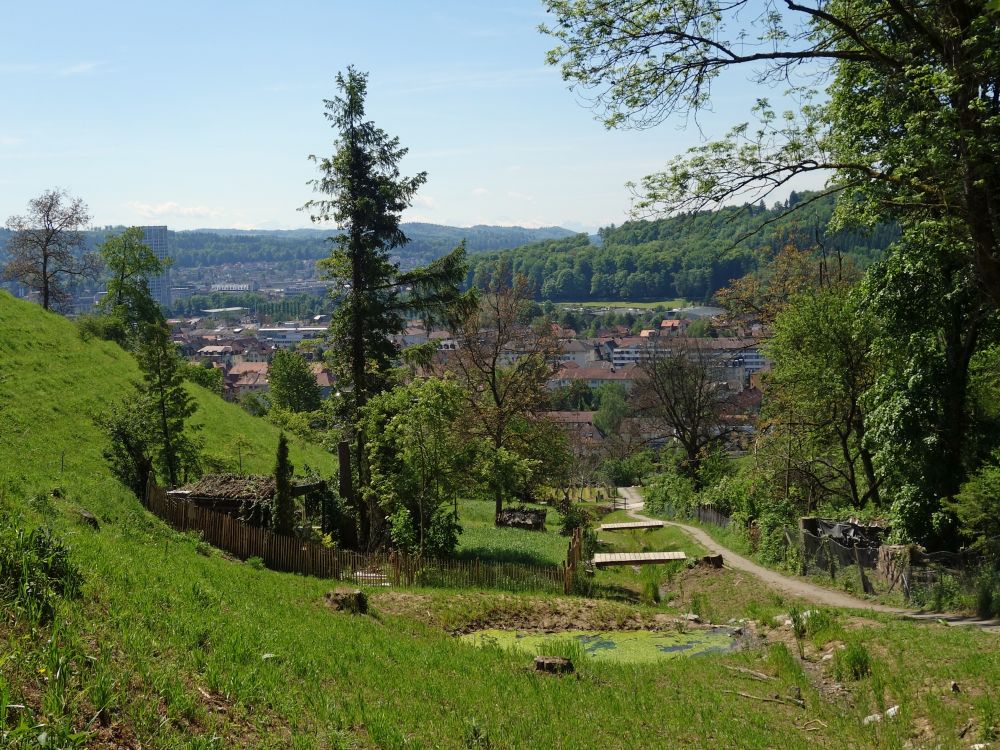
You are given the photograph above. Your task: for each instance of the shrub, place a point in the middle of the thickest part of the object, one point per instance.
(945, 593)
(671, 494)
(987, 594)
(256, 563)
(573, 517)
(442, 533)
(106, 327)
(853, 662)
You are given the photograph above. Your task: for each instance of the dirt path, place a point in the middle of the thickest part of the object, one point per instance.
(788, 585)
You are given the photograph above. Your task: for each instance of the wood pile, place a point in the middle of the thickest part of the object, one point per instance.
(522, 518)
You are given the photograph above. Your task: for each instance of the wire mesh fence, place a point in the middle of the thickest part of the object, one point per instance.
(932, 580)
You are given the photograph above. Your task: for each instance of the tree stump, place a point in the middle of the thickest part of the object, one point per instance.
(354, 601)
(711, 561)
(553, 664)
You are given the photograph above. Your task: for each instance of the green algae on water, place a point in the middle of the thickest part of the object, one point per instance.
(622, 646)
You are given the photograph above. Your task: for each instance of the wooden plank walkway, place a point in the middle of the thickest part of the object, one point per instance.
(631, 525)
(636, 558)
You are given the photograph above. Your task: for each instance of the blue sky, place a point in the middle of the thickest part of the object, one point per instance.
(202, 114)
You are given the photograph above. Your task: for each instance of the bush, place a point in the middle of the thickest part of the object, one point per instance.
(671, 494)
(573, 517)
(988, 594)
(35, 572)
(106, 327)
(442, 533)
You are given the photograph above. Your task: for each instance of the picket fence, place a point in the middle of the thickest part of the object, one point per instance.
(294, 555)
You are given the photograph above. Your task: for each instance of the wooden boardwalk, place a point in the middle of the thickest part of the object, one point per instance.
(603, 560)
(631, 525)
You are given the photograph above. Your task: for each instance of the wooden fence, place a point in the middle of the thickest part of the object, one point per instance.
(293, 555)
(574, 554)
(708, 514)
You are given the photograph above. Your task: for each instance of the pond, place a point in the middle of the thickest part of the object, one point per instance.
(623, 646)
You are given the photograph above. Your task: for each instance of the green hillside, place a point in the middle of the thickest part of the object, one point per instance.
(52, 383)
(169, 644)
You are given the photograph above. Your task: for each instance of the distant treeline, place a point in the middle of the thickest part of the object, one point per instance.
(427, 241)
(689, 256)
(211, 247)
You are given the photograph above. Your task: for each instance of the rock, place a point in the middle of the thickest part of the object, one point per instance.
(827, 657)
(875, 718)
(90, 519)
(354, 601)
(553, 664)
(692, 617)
(978, 746)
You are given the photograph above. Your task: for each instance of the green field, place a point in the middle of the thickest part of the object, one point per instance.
(619, 305)
(169, 644)
(481, 538)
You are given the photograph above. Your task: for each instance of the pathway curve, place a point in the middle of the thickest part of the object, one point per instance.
(796, 587)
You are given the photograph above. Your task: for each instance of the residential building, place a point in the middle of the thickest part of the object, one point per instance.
(594, 376)
(580, 351)
(286, 338)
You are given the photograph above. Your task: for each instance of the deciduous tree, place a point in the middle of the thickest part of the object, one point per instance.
(46, 248)
(682, 389)
(816, 414)
(503, 364)
(130, 264)
(419, 462)
(291, 382)
(167, 404)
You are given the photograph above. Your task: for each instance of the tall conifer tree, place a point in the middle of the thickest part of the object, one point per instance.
(365, 195)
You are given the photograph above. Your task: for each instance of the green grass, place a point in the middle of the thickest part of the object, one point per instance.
(171, 645)
(481, 538)
(620, 305)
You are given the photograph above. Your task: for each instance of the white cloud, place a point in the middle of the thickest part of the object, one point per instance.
(170, 208)
(427, 201)
(82, 68)
(480, 191)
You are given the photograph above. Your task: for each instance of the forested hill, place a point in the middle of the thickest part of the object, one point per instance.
(689, 256)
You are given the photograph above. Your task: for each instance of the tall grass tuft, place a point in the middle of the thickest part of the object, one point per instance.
(853, 662)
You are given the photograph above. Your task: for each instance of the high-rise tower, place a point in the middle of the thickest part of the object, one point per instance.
(159, 286)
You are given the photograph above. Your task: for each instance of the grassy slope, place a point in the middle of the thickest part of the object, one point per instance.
(481, 538)
(183, 638)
